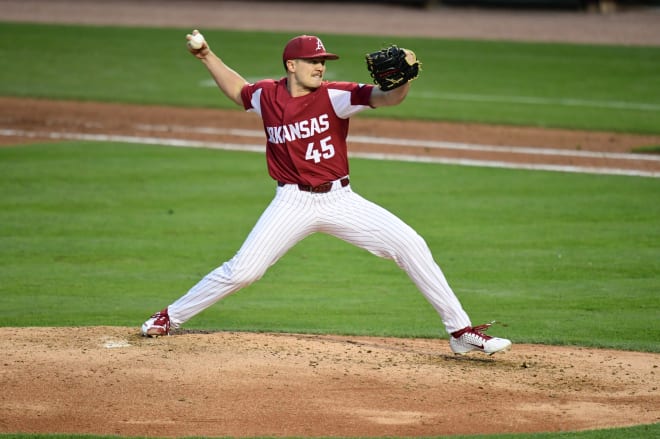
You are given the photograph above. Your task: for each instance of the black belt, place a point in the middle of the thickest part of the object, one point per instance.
(320, 189)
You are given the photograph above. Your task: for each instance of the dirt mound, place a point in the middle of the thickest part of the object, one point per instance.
(109, 380)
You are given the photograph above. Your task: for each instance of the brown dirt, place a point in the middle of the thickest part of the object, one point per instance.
(36, 120)
(108, 380)
(629, 25)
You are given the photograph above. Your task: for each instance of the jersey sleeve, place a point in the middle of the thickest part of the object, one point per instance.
(349, 98)
(251, 94)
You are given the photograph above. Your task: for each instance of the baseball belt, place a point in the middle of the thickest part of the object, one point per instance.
(321, 188)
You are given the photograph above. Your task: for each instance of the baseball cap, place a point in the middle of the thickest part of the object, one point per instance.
(306, 47)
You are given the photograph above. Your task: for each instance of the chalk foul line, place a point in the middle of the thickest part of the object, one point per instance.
(185, 143)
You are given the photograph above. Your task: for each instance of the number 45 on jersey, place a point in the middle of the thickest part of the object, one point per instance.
(324, 150)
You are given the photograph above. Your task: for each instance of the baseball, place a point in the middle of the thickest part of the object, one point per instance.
(411, 58)
(196, 42)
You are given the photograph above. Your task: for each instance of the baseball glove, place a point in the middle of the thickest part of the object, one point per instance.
(392, 67)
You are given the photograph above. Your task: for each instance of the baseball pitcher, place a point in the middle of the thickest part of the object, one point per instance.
(306, 121)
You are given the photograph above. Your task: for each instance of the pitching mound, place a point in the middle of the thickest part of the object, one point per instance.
(109, 380)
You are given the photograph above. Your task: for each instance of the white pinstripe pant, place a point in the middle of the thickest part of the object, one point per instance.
(293, 215)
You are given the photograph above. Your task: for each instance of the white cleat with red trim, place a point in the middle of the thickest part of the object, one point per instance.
(473, 339)
(157, 325)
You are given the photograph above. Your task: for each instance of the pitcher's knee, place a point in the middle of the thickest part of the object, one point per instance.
(413, 248)
(413, 242)
(238, 277)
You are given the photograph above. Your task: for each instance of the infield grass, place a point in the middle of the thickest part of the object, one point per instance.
(613, 88)
(105, 234)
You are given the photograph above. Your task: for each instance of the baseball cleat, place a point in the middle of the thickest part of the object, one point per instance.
(157, 325)
(473, 339)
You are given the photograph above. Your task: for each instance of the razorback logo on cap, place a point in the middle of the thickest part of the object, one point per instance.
(319, 45)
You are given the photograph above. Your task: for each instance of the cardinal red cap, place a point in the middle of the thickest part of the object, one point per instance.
(306, 47)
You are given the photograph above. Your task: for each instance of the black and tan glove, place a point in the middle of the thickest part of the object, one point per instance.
(392, 67)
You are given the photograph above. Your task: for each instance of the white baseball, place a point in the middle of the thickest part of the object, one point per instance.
(196, 42)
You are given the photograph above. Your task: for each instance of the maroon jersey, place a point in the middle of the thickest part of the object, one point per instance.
(306, 135)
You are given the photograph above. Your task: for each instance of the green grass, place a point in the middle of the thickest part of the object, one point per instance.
(613, 88)
(650, 149)
(96, 234)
